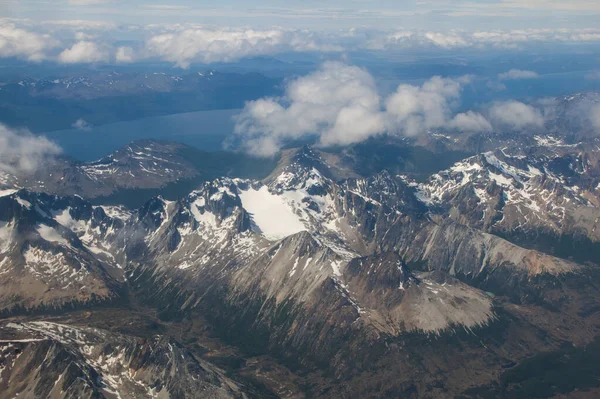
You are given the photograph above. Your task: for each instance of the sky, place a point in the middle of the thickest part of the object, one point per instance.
(321, 15)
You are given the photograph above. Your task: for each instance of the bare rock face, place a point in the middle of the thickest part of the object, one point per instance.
(47, 255)
(395, 300)
(44, 359)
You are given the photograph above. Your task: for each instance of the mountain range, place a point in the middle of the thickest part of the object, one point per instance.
(321, 273)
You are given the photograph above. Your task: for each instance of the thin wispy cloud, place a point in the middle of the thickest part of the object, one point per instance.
(332, 15)
(88, 2)
(167, 7)
(515, 74)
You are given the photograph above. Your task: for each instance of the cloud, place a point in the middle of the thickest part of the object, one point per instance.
(85, 36)
(88, 2)
(414, 109)
(184, 44)
(505, 39)
(166, 7)
(81, 124)
(83, 52)
(515, 74)
(22, 153)
(339, 105)
(470, 122)
(551, 5)
(210, 46)
(225, 45)
(124, 55)
(16, 42)
(516, 115)
(447, 40)
(77, 24)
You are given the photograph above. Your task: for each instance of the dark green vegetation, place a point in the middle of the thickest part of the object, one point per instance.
(577, 248)
(547, 374)
(399, 157)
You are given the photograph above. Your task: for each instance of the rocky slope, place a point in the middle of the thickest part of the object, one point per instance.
(537, 196)
(50, 360)
(48, 256)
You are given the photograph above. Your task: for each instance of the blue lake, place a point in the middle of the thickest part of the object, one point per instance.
(202, 129)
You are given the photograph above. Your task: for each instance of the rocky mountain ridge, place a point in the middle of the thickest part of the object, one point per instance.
(343, 275)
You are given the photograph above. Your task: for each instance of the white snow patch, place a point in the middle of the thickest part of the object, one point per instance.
(50, 234)
(271, 213)
(205, 217)
(23, 203)
(4, 193)
(66, 220)
(116, 212)
(336, 268)
(6, 230)
(500, 179)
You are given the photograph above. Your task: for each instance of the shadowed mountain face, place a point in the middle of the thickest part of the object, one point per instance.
(303, 277)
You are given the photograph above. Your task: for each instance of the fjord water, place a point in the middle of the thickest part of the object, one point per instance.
(202, 129)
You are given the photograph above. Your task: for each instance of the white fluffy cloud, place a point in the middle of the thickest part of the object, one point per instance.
(516, 115)
(339, 104)
(447, 40)
(209, 46)
(224, 45)
(515, 74)
(87, 2)
(21, 152)
(414, 109)
(124, 55)
(83, 52)
(188, 43)
(470, 121)
(17, 42)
